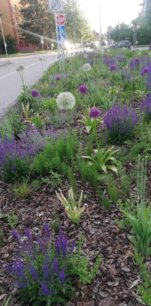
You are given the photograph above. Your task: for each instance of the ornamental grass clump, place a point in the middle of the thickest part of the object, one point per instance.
(120, 122)
(45, 269)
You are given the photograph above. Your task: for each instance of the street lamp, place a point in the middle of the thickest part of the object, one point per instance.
(3, 35)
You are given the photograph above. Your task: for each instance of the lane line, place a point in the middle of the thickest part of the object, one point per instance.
(14, 72)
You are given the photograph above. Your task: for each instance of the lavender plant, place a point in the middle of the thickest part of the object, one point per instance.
(120, 122)
(45, 270)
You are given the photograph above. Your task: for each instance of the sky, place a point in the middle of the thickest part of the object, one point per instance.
(112, 12)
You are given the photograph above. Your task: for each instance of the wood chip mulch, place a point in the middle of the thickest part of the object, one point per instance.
(118, 276)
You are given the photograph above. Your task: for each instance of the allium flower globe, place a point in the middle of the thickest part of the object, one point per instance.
(86, 67)
(94, 112)
(83, 88)
(35, 93)
(65, 100)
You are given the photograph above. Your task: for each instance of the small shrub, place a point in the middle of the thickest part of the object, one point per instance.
(120, 122)
(45, 271)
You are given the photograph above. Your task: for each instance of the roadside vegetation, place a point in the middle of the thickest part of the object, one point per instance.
(75, 173)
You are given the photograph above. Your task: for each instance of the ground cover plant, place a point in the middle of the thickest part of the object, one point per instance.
(70, 172)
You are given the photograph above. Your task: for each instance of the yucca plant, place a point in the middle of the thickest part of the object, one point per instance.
(103, 159)
(90, 123)
(73, 207)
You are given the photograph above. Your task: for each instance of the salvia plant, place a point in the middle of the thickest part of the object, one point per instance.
(45, 269)
(120, 122)
(73, 207)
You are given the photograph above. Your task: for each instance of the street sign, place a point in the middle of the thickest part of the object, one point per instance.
(61, 33)
(55, 6)
(60, 19)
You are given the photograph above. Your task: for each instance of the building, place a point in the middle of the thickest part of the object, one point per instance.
(9, 10)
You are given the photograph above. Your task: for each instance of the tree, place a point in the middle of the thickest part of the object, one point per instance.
(11, 44)
(77, 26)
(37, 19)
(121, 32)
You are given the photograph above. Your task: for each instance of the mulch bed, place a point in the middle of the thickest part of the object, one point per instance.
(116, 281)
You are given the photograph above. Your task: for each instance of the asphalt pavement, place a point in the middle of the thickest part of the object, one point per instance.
(10, 82)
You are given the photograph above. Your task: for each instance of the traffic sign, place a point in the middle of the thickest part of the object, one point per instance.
(55, 6)
(60, 19)
(61, 33)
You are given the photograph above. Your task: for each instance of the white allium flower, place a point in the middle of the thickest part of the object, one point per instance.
(65, 100)
(86, 67)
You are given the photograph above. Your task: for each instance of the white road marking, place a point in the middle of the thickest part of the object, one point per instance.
(10, 74)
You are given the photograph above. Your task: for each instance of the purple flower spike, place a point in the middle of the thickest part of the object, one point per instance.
(44, 289)
(62, 276)
(94, 112)
(144, 71)
(35, 93)
(83, 89)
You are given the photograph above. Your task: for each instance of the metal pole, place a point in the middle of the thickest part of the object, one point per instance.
(100, 27)
(3, 35)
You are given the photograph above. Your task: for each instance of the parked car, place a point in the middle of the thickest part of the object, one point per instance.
(122, 44)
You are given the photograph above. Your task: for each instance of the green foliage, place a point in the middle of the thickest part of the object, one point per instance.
(26, 98)
(15, 169)
(22, 190)
(103, 159)
(73, 207)
(37, 121)
(11, 219)
(53, 180)
(88, 173)
(80, 266)
(50, 105)
(56, 156)
(11, 44)
(141, 227)
(145, 288)
(26, 111)
(11, 125)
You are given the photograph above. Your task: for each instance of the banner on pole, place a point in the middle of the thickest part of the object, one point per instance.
(55, 6)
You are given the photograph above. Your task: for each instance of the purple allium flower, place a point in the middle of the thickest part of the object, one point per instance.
(113, 67)
(44, 290)
(83, 89)
(57, 77)
(94, 112)
(35, 93)
(62, 275)
(120, 122)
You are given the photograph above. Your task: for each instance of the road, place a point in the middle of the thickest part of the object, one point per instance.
(10, 82)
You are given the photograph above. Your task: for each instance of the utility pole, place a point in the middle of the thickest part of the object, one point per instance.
(3, 35)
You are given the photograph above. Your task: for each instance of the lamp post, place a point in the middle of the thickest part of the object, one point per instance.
(3, 35)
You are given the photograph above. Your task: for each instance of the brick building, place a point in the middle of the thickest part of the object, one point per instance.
(9, 9)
